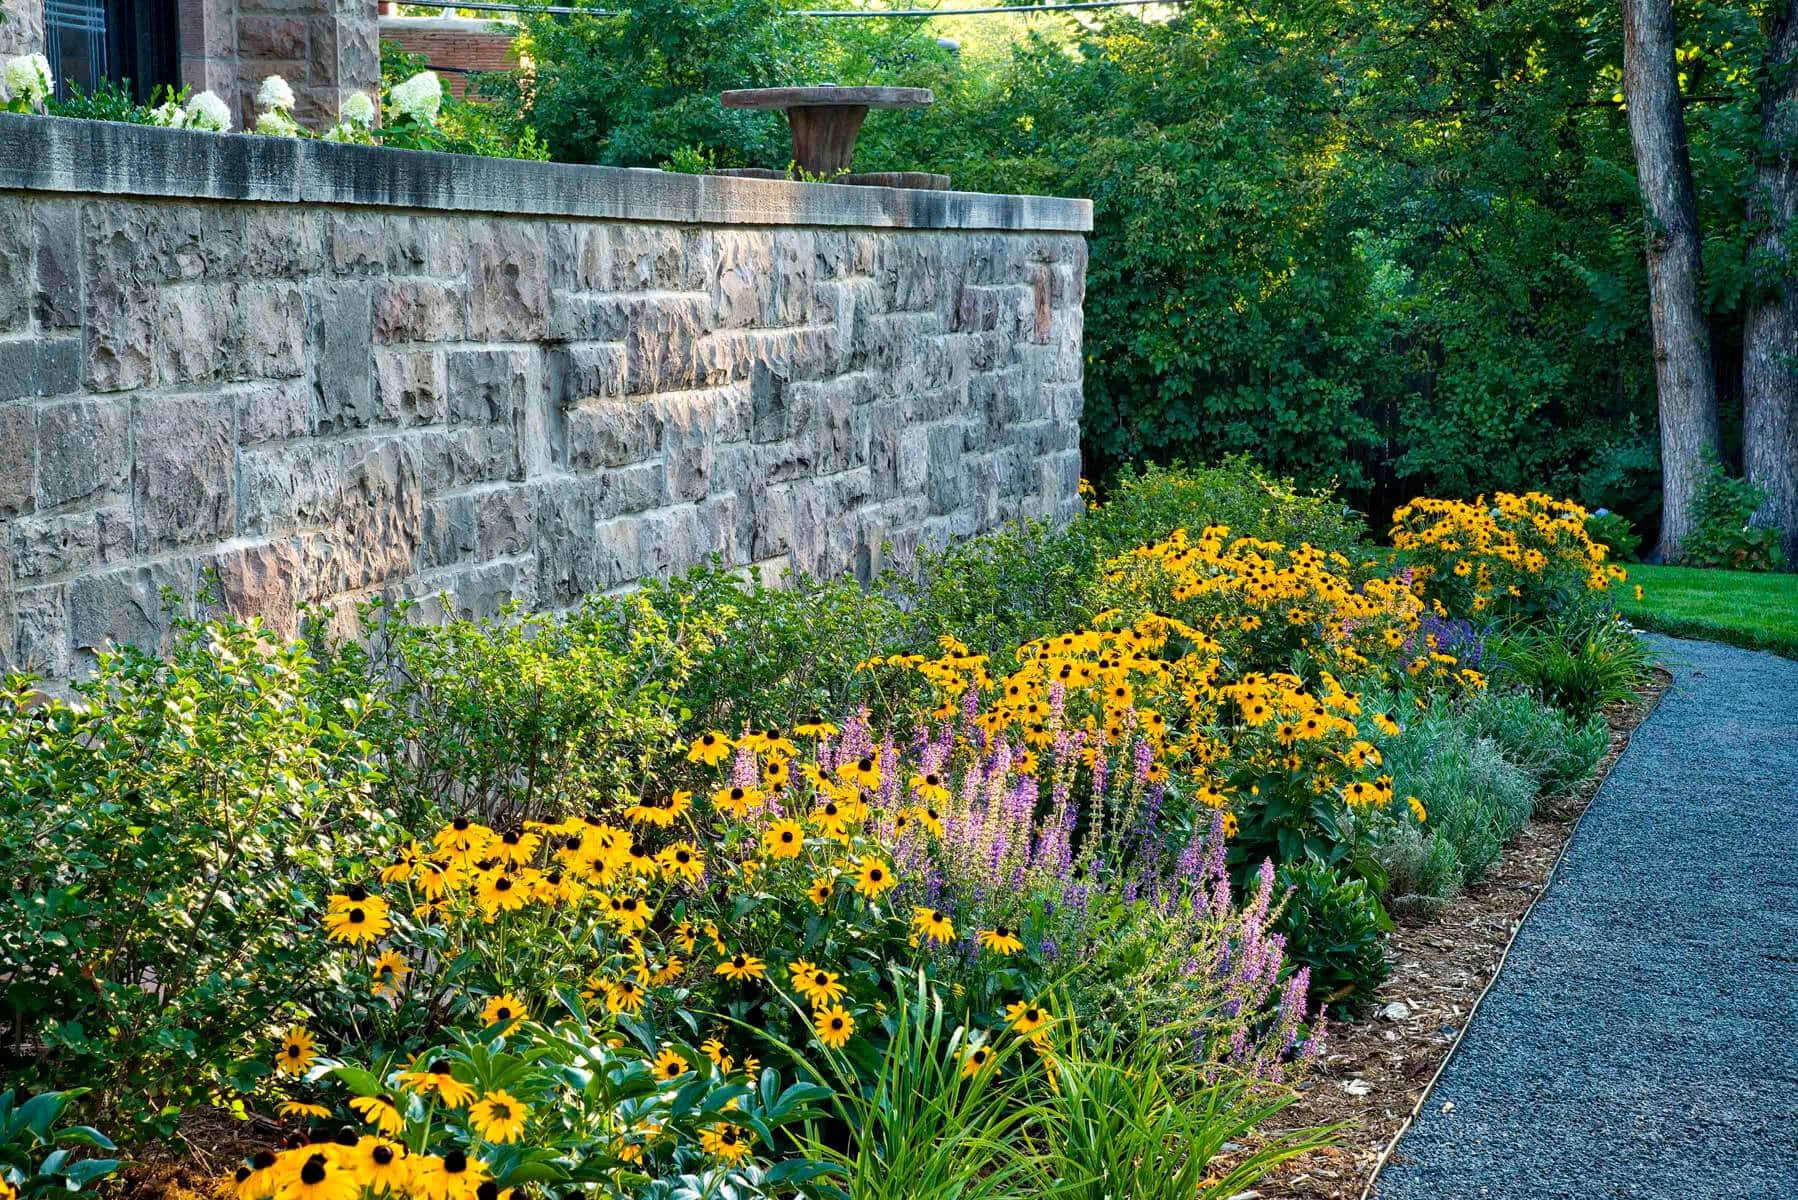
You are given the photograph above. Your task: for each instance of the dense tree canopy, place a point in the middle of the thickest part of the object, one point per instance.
(1396, 243)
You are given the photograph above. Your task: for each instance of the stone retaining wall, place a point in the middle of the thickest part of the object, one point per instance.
(320, 386)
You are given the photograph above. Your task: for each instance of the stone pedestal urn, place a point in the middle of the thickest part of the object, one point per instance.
(825, 121)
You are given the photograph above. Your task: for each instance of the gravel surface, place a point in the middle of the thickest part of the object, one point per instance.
(1642, 1039)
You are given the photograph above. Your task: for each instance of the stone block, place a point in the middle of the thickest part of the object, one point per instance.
(41, 630)
(183, 470)
(647, 258)
(411, 386)
(129, 606)
(288, 487)
(18, 450)
(688, 425)
(419, 245)
(262, 580)
(340, 345)
(419, 310)
(47, 546)
(83, 449)
(16, 254)
(633, 489)
(376, 518)
(57, 232)
(356, 243)
(270, 410)
(282, 243)
(508, 282)
(451, 530)
(612, 433)
(271, 325)
(487, 387)
(567, 550)
(506, 519)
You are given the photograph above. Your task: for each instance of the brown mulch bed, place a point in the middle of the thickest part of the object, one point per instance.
(1376, 1069)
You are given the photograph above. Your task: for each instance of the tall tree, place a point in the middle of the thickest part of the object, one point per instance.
(1685, 388)
(1770, 330)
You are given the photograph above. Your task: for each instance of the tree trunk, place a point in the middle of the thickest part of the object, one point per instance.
(1686, 389)
(1770, 331)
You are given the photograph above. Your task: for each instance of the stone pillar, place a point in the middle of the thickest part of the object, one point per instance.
(325, 48)
(209, 46)
(22, 30)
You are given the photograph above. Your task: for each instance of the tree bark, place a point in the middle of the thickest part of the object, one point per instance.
(1770, 330)
(1684, 385)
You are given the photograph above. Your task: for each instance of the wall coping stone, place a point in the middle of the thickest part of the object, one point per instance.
(63, 154)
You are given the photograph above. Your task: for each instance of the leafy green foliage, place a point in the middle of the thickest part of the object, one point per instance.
(1474, 797)
(1722, 536)
(1553, 748)
(1613, 531)
(1132, 1120)
(463, 126)
(1335, 926)
(1579, 662)
(168, 843)
(40, 1156)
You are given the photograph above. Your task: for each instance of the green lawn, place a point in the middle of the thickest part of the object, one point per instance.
(1744, 608)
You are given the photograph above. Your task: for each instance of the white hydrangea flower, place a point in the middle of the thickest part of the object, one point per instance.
(207, 111)
(276, 123)
(275, 95)
(419, 97)
(26, 77)
(357, 109)
(169, 114)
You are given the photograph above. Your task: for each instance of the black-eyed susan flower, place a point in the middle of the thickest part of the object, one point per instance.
(783, 839)
(820, 891)
(257, 1179)
(830, 818)
(497, 892)
(320, 1178)
(503, 1010)
(296, 1052)
(498, 1117)
(815, 729)
(437, 1078)
(455, 1176)
(682, 860)
(381, 1166)
(728, 1143)
(834, 1025)
(863, 772)
(300, 1108)
(713, 1049)
(929, 787)
(740, 966)
(358, 923)
(390, 970)
(874, 879)
(624, 996)
(1000, 940)
(737, 801)
(975, 1059)
(670, 1066)
(819, 986)
(1026, 1017)
(380, 1112)
(932, 925)
(709, 748)
(1417, 809)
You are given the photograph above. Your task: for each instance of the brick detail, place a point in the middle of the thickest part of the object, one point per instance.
(455, 45)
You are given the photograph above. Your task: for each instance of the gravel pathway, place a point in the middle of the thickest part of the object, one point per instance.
(1642, 1040)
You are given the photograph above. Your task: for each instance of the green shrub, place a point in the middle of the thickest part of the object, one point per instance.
(524, 715)
(1335, 926)
(777, 653)
(1613, 531)
(1722, 535)
(1473, 796)
(998, 591)
(1578, 662)
(1146, 504)
(1555, 749)
(168, 843)
(38, 1154)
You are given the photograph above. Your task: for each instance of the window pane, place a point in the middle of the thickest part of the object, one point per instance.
(76, 37)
